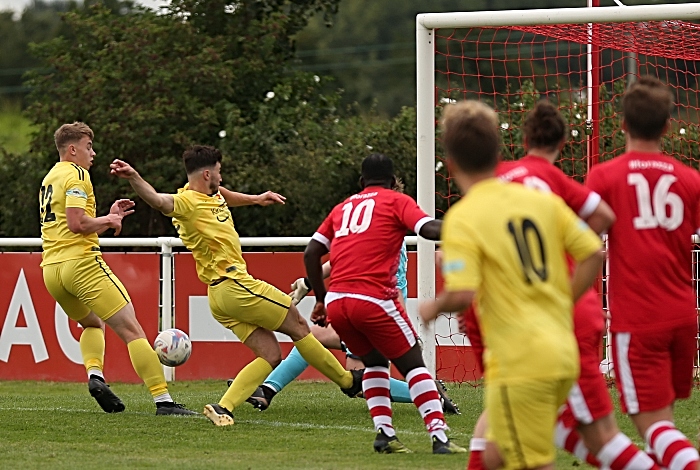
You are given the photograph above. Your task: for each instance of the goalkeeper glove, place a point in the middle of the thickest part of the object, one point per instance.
(300, 288)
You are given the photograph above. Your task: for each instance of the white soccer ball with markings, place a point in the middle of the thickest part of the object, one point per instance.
(173, 347)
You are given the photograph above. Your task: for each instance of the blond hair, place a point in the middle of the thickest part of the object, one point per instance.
(471, 136)
(70, 134)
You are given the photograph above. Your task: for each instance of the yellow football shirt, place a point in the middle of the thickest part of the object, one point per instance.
(507, 242)
(65, 185)
(205, 226)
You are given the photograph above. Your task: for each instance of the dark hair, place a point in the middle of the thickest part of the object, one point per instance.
(200, 156)
(377, 167)
(471, 136)
(544, 126)
(647, 106)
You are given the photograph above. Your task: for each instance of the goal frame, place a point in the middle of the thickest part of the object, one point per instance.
(426, 24)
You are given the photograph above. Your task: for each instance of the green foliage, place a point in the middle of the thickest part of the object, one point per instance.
(302, 145)
(148, 86)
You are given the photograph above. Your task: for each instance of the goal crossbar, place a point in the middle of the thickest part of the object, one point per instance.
(614, 14)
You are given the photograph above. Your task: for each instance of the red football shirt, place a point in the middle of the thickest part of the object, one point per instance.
(655, 199)
(364, 235)
(537, 172)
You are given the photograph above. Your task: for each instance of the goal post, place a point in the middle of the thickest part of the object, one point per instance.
(509, 59)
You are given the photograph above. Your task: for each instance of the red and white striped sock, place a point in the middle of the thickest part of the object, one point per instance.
(375, 388)
(477, 446)
(619, 453)
(671, 447)
(426, 398)
(570, 440)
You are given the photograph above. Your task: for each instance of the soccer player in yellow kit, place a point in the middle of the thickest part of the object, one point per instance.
(251, 308)
(505, 245)
(78, 278)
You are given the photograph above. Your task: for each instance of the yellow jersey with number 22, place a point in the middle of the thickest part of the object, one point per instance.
(65, 185)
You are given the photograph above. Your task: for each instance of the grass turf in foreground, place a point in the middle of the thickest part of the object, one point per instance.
(309, 425)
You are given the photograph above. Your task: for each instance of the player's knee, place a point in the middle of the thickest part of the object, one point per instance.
(273, 356)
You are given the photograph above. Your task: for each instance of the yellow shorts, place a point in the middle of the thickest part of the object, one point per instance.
(242, 305)
(84, 285)
(522, 417)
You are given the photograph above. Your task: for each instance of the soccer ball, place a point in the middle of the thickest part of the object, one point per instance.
(173, 347)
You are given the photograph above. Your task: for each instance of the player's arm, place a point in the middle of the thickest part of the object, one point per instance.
(448, 301)
(79, 222)
(234, 199)
(584, 246)
(585, 273)
(314, 269)
(431, 230)
(314, 272)
(601, 218)
(160, 201)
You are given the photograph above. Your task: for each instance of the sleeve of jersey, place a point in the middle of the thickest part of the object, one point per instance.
(579, 240)
(324, 233)
(182, 206)
(461, 260)
(412, 216)
(77, 192)
(581, 199)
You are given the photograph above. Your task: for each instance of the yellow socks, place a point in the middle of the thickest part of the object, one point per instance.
(92, 347)
(245, 383)
(323, 360)
(147, 366)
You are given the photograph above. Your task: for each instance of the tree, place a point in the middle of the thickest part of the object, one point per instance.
(152, 84)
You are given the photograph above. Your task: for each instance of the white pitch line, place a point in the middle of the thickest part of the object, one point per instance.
(260, 422)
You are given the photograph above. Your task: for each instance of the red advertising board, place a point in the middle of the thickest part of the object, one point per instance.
(38, 342)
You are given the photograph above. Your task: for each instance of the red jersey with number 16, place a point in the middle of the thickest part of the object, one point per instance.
(655, 199)
(364, 235)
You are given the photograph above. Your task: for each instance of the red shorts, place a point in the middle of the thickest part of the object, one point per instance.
(474, 334)
(653, 369)
(365, 323)
(588, 399)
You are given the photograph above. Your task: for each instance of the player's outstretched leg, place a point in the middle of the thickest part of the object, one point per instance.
(145, 361)
(289, 369)
(265, 346)
(92, 348)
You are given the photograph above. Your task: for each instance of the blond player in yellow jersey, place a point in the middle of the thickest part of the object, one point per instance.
(251, 308)
(505, 246)
(78, 278)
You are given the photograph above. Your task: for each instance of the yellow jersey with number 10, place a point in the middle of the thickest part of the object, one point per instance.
(508, 242)
(205, 226)
(65, 185)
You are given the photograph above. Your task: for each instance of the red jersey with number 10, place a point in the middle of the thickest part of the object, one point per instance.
(364, 235)
(655, 199)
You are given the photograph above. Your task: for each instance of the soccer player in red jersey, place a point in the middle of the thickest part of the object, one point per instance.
(587, 426)
(652, 300)
(364, 234)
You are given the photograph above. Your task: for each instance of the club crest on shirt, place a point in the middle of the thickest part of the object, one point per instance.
(221, 213)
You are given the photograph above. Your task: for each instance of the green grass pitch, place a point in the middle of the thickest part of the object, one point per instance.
(309, 425)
